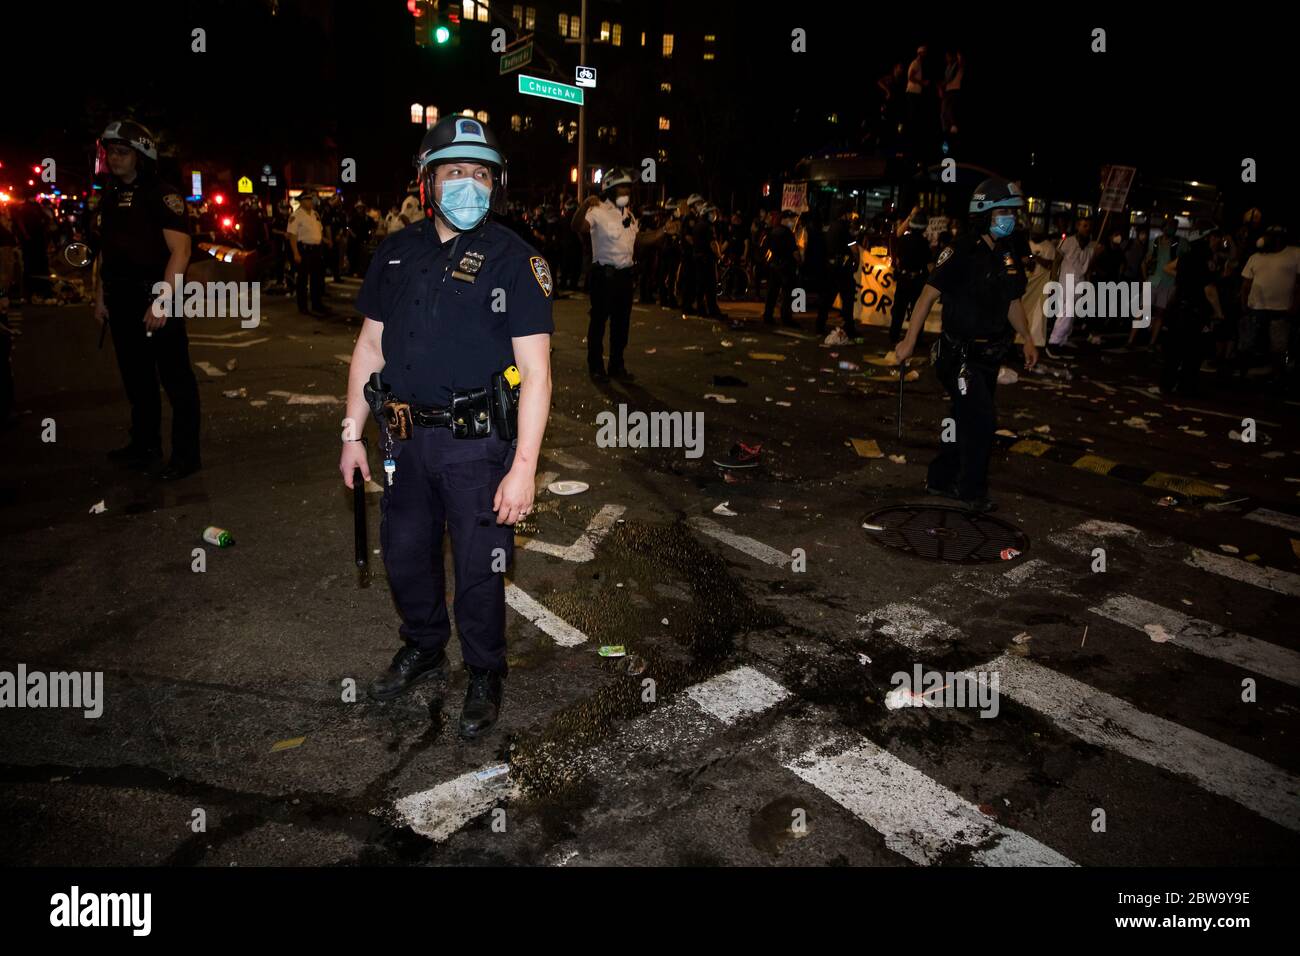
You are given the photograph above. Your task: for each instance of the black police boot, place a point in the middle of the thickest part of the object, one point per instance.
(482, 703)
(410, 666)
(597, 374)
(135, 456)
(945, 492)
(179, 468)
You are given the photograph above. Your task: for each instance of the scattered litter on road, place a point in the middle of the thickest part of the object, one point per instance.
(1224, 505)
(767, 356)
(847, 366)
(1141, 424)
(492, 773)
(664, 621)
(1007, 376)
(98, 508)
(1006, 554)
(863, 658)
(218, 536)
(784, 404)
(835, 337)
(693, 348)
(725, 343)
(258, 402)
(635, 665)
(287, 744)
(873, 527)
(729, 381)
(567, 487)
(1193, 432)
(723, 510)
(651, 351)
(210, 369)
(1157, 633)
(1087, 441)
(898, 459)
(1085, 636)
(231, 365)
(613, 650)
(1024, 637)
(1168, 501)
(1221, 464)
(1272, 454)
(866, 448)
(306, 399)
(1006, 433)
(904, 697)
(1230, 549)
(1042, 429)
(236, 393)
(720, 399)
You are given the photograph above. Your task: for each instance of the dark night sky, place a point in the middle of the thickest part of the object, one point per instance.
(1187, 98)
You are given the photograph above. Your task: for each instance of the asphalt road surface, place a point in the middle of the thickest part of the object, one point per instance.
(1141, 717)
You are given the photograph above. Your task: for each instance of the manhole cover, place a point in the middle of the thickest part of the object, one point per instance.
(940, 533)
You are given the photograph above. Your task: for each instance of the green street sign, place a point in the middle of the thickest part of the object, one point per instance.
(516, 58)
(549, 89)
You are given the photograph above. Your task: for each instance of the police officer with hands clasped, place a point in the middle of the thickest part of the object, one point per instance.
(458, 321)
(143, 240)
(980, 281)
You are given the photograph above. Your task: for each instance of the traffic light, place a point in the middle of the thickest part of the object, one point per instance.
(436, 24)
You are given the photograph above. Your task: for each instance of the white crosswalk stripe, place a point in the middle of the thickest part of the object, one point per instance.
(920, 819)
(1283, 582)
(1277, 519)
(1204, 637)
(1115, 724)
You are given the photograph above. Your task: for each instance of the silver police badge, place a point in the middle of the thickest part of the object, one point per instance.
(175, 203)
(542, 273)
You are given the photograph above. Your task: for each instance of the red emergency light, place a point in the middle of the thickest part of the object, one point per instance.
(227, 221)
(218, 198)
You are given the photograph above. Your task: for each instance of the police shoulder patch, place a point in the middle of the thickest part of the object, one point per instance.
(542, 273)
(174, 202)
(945, 255)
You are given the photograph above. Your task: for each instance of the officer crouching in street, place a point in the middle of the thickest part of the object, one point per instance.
(144, 239)
(980, 281)
(458, 319)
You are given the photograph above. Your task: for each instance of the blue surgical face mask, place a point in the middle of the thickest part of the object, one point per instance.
(1002, 226)
(465, 203)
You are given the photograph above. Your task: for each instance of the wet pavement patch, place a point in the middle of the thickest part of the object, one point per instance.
(939, 533)
(698, 642)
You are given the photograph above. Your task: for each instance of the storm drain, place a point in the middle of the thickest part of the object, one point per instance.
(940, 533)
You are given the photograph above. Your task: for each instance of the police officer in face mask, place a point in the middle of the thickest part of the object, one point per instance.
(779, 258)
(144, 240)
(458, 321)
(980, 281)
(608, 220)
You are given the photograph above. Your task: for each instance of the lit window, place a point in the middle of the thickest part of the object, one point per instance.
(476, 11)
(665, 87)
(466, 112)
(528, 122)
(710, 38)
(575, 27)
(604, 32)
(668, 44)
(663, 123)
(559, 127)
(530, 18)
(617, 36)
(430, 115)
(709, 56)
(613, 133)
(833, 118)
(517, 14)
(564, 24)
(516, 123)
(643, 38)
(663, 155)
(601, 131)
(481, 116)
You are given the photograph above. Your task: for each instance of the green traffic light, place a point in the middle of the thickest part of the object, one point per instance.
(441, 35)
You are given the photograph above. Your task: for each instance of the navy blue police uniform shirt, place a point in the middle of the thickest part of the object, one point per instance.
(977, 285)
(436, 302)
(130, 223)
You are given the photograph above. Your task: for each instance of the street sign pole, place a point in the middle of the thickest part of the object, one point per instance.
(582, 111)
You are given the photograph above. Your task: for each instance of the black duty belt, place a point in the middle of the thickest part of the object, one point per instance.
(430, 416)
